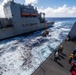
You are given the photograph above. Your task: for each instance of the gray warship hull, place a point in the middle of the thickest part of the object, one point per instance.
(11, 31)
(21, 19)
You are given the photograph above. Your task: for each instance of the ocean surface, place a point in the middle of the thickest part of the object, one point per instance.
(22, 55)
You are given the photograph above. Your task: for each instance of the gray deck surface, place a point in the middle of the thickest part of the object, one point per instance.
(62, 67)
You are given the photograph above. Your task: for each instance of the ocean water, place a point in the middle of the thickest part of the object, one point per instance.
(56, 19)
(22, 55)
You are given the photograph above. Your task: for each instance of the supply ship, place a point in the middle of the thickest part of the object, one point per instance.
(20, 19)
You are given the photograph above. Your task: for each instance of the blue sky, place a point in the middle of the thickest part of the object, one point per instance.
(55, 3)
(52, 3)
(52, 8)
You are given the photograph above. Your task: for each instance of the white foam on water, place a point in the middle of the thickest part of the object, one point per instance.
(23, 55)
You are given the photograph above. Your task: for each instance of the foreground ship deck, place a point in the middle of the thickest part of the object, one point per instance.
(62, 66)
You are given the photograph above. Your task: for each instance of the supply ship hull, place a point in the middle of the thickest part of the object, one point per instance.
(21, 19)
(11, 31)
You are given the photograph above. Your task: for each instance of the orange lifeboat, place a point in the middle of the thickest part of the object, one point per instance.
(25, 14)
